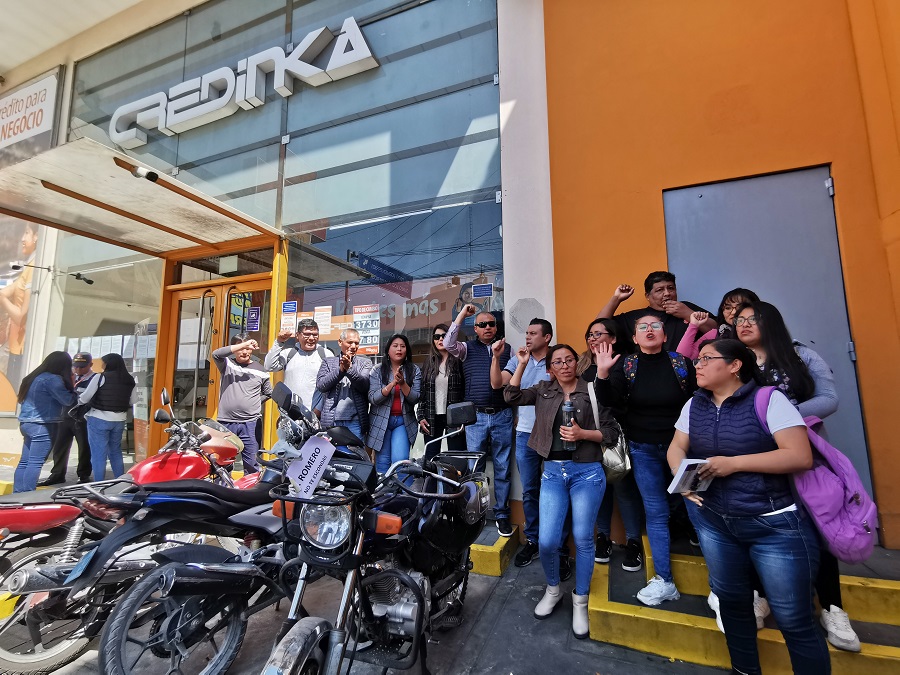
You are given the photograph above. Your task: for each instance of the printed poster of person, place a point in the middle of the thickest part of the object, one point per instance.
(18, 243)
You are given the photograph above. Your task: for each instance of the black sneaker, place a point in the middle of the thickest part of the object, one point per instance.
(565, 568)
(528, 553)
(603, 549)
(51, 480)
(634, 556)
(504, 528)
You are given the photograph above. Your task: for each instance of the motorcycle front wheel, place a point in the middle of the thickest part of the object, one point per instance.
(300, 651)
(187, 635)
(62, 639)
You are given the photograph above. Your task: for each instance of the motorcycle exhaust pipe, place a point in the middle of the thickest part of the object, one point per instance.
(53, 578)
(212, 579)
(33, 581)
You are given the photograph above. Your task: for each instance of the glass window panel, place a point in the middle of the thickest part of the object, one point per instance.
(147, 63)
(467, 173)
(443, 252)
(246, 181)
(458, 63)
(221, 34)
(444, 121)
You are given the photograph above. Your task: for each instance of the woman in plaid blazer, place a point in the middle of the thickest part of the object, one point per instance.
(393, 392)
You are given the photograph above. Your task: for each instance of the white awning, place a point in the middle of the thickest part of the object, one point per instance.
(89, 189)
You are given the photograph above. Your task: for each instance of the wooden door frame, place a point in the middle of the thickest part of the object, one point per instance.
(166, 354)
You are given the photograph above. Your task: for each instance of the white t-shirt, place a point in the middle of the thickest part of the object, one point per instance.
(441, 385)
(781, 414)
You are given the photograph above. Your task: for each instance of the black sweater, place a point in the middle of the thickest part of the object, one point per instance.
(649, 408)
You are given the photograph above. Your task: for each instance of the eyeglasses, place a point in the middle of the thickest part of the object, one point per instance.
(596, 335)
(704, 360)
(559, 364)
(751, 320)
(486, 324)
(644, 327)
(309, 335)
(438, 336)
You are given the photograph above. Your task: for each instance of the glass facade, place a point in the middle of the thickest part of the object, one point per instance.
(394, 169)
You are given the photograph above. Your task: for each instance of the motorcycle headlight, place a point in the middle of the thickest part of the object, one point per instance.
(326, 527)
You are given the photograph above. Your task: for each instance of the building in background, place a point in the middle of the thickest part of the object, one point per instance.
(381, 163)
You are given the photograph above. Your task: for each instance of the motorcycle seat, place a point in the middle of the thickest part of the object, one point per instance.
(254, 496)
(343, 436)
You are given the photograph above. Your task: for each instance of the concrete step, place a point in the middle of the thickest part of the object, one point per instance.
(866, 599)
(491, 553)
(686, 629)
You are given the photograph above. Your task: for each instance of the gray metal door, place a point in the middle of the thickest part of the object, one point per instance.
(775, 235)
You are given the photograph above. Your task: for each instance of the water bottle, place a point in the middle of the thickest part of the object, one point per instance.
(568, 410)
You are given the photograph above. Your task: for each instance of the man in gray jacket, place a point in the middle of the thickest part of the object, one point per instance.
(344, 383)
(245, 386)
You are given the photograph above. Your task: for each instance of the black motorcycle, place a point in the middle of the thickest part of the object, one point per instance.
(190, 615)
(399, 544)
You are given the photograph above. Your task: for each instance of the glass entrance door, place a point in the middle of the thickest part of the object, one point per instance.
(206, 319)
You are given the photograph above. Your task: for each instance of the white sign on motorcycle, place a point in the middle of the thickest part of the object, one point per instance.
(305, 472)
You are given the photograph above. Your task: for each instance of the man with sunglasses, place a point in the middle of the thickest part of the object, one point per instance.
(493, 430)
(662, 302)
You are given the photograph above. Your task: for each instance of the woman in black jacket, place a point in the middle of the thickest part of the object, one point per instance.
(442, 384)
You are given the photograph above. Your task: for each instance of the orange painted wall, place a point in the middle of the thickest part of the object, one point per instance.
(646, 95)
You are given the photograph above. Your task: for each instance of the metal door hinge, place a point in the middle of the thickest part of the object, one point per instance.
(851, 350)
(496, 78)
(829, 185)
(285, 139)
(498, 196)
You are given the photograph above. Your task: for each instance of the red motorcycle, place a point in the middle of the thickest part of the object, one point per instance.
(194, 451)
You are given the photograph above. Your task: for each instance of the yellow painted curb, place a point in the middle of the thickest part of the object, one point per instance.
(6, 487)
(864, 598)
(696, 639)
(493, 560)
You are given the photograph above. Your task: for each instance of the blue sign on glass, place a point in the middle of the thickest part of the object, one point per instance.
(253, 319)
(482, 290)
(289, 307)
(389, 278)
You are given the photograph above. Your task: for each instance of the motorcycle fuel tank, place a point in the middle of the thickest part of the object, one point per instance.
(168, 466)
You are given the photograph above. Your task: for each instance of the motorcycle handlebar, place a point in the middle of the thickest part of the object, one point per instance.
(415, 470)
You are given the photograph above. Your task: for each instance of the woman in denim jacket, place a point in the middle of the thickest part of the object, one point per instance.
(571, 479)
(45, 394)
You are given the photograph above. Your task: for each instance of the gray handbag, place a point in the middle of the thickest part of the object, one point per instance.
(616, 458)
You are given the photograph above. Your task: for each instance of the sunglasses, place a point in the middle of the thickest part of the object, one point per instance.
(486, 324)
(438, 336)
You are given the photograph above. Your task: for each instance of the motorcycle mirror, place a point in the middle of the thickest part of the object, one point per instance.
(164, 397)
(161, 416)
(292, 405)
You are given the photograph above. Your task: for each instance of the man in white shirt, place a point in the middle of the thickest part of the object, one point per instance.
(300, 357)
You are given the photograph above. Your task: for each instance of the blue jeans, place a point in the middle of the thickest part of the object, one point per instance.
(38, 441)
(652, 475)
(784, 551)
(579, 485)
(630, 507)
(494, 433)
(395, 446)
(105, 439)
(353, 425)
(246, 431)
(530, 465)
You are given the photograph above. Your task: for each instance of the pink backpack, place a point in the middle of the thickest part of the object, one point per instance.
(832, 493)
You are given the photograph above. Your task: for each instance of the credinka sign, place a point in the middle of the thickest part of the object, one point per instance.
(222, 92)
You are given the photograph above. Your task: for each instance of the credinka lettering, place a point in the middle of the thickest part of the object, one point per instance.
(222, 92)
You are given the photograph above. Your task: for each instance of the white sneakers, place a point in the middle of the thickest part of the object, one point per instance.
(840, 633)
(657, 592)
(760, 609)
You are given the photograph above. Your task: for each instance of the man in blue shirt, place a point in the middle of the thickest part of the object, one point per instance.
(493, 428)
